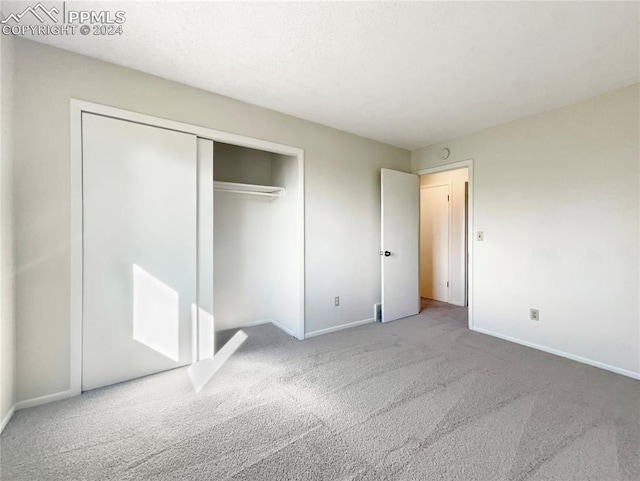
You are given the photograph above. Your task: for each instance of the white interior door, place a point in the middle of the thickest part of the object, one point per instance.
(139, 249)
(399, 254)
(434, 242)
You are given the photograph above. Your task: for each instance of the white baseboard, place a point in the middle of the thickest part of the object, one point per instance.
(49, 398)
(320, 332)
(7, 418)
(573, 357)
(284, 328)
(269, 321)
(259, 322)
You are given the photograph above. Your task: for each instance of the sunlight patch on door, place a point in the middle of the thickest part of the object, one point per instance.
(156, 314)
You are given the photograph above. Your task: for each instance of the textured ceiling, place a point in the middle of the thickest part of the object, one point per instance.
(408, 74)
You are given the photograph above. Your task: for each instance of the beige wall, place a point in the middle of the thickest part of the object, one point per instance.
(456, 180)
(7, 321)
(556, 195)
(341, 196)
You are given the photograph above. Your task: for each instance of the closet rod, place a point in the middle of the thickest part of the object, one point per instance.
(252, 189)
(249, 192)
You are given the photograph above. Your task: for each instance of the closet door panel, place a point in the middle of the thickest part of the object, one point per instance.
(205, 249)
(139, 249)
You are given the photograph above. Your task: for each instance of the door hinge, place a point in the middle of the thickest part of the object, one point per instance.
(447, 198)
(447, 283)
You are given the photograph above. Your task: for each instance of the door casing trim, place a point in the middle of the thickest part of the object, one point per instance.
(468, 164)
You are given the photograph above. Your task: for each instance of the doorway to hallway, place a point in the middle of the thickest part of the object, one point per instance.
(444, 238)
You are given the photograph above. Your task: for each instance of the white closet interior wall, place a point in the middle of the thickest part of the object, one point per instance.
(286, 246)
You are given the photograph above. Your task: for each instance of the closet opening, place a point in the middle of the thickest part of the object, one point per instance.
(256, 240)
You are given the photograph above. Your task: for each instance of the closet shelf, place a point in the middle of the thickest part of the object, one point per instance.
(252, 189)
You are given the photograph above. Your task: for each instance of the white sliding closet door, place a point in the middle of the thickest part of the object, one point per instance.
(140, 274)
(205, 334)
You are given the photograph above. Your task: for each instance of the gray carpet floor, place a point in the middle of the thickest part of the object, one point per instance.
(418, 399)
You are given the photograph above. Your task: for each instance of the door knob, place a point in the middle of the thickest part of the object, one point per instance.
(387, 253)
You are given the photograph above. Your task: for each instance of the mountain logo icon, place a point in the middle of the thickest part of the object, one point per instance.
(34, 11)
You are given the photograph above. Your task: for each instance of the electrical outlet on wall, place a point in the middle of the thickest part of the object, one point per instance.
(534, 314)
(337, 301)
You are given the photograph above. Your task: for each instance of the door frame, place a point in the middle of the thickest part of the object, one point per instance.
(468, 164)
(449, 186)
(77, 108)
